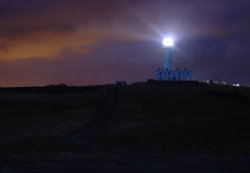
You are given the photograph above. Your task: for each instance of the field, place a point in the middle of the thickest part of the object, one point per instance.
(181, 118)
(73, 123)
(35, 121)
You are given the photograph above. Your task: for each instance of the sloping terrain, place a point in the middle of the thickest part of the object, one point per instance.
(34, 122)
(181, 118)
(68, 123)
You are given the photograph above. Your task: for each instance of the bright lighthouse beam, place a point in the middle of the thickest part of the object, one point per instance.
(168, 42)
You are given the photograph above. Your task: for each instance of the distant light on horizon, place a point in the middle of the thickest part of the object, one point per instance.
(168, 42)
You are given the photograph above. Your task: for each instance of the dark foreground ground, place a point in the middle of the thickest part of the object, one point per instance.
(166, 164)
(145, 127)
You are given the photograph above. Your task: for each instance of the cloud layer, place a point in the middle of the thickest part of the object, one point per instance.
(51, 41)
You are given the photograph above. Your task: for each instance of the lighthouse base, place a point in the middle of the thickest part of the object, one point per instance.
(173, 75)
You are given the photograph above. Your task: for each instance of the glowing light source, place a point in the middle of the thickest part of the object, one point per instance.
(168, 42)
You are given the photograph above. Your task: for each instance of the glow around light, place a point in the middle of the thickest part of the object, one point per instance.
(168, 42)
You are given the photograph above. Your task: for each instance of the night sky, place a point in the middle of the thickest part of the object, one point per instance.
(86, 42)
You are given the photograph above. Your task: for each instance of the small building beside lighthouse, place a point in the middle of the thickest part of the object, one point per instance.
(167, 72)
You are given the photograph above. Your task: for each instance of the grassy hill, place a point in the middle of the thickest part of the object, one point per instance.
(180, 117)
(34, 121)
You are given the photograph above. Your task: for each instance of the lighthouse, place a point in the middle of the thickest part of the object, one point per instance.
(168, 44)
(167, 72)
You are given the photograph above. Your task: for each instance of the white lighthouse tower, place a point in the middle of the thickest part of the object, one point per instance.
(168, 44)
(167, 73)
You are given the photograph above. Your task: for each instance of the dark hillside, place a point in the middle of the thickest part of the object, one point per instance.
(70, 123)
(182, 117)
(35, 120)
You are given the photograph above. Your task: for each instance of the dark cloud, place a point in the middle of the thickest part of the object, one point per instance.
(51, 41)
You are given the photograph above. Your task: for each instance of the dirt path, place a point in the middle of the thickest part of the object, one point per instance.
(102, 116)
